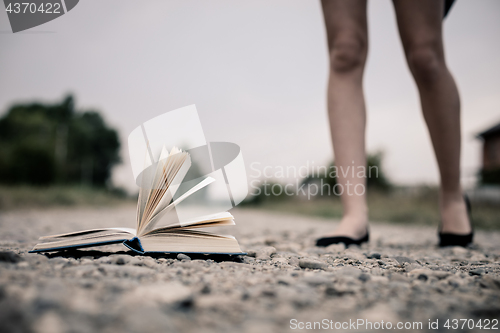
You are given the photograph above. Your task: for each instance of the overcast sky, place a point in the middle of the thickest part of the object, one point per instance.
(257, 72)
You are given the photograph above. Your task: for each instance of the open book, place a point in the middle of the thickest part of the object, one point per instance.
(156, 199)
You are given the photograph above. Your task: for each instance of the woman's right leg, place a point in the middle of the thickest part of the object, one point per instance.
(346, 29)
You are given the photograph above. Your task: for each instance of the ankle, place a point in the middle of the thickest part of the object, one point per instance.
(454, 216)
(361, 220)
(359, 213)
(355, 221)
(450, 197)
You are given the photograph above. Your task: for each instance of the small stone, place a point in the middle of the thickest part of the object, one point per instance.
(476, 271)
(422, 273)
(312, 264)
(149, 262)
(282, 261)
(401, 260)
(206, 289)
(340, 290)
(182, 256)
(459, 251)
(58, 260)
(268, 293)
(411, 267)
(374, 255)
(293, 261)
(364, 277)
(286, 281)
(85, 261)
(8, 256)
(422, 277)
(248, 260)
(120, 259)
(455, 282)
(265, 252)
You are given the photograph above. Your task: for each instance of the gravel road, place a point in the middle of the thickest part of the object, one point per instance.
(283, 284)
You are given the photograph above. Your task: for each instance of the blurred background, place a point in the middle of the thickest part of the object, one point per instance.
(72, 89)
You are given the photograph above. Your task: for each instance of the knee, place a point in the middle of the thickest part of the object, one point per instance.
(425, 63)
(347, 54)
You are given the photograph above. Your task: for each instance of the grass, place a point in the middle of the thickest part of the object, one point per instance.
(19, 197)
(403, 206)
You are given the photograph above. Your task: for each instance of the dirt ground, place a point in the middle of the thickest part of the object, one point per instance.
(284, 284)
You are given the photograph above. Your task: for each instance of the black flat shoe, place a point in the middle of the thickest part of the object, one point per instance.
(450, 239)
(325, 241)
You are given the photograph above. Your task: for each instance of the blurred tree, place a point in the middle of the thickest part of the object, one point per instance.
(375, 176)
(42, 144)
(376, 179)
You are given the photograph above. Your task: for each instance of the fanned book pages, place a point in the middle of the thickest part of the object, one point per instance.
(156, 200)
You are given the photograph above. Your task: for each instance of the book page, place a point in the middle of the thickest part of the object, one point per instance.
(152, 223)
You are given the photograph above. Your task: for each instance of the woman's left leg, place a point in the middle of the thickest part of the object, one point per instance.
(420, 28)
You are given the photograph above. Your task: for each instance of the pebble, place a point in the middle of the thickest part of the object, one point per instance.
(182, 256)
(312, 264)
(402, 260)
(341, 290)
(428, 273)
(374, 255)
(364, 277)
(476, 271)
(265, 253)
(8, 256)
(120, 259)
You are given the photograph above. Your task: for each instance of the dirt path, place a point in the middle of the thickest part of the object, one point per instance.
(400, 278)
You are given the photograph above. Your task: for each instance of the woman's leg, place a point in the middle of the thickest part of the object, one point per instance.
(346, 29)
(420, 24)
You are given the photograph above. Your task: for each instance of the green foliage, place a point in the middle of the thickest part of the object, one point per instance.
(42, 144)
(376, 179)
(416, 205)
(267, 192)
(272, 192)
(33, 197)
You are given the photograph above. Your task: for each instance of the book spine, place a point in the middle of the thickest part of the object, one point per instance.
(134, 244)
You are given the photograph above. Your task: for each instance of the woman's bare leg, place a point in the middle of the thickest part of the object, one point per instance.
(420, 24)
(346, 29)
